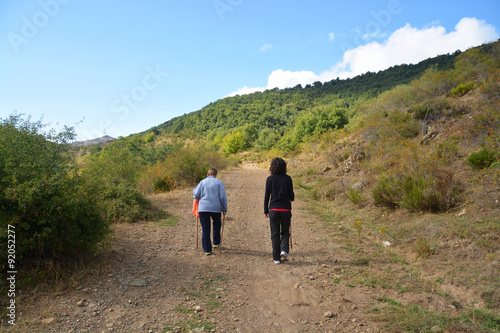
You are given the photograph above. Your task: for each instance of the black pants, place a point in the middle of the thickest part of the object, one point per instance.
(280, 232)
(206, 226)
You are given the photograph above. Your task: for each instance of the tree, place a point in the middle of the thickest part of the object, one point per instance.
(233, 143)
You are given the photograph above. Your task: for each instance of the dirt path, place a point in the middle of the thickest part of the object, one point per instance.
(157, 281)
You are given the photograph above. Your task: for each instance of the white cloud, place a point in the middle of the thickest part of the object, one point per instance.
(407, 45)
(331, 36)
(283, 79)
(265, 47)
(245, 90)
(410, 45)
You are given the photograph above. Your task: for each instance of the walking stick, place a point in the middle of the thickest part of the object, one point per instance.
(290, 231)
(197, 232)
(195, 213)
(221, 232)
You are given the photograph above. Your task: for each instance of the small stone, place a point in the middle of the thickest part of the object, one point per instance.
(436, 328)
(138, 283)
(48, 321)
(357, 186)
(297, 285)
(81, 303)
(198, 308)
(328, 314)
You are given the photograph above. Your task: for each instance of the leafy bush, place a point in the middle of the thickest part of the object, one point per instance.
(191, 163)
(415, 181)
(385, 192)
(150, 137)
(355, 196)
(164, 185)
(481, 159)
(114, 174)
(150, 175)
(320, 120)
(407, 126)
(233, 143)
(419, 111)
(462, 89)
(53, 208)
(266, 139)
(124, 203)
(421, 192)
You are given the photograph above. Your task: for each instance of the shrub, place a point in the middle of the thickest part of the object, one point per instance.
(420, 192)
(414, 180)
(191, 163)
(150, 137)
(355, 196)
(385, 192)
(164, 185)
(462, 89)
(233, 143)
(481, 159)
(55, 210)
(266, 139)
(152, 174)
(419, 111)
(124, 203)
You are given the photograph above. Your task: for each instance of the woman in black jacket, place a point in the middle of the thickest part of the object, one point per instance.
(278, 208)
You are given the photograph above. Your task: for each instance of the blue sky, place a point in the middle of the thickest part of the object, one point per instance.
(121, 67)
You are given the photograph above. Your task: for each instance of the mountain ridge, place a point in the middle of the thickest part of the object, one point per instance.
(100, 140)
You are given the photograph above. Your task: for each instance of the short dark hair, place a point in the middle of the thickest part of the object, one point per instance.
(212, 172)
(278, 166)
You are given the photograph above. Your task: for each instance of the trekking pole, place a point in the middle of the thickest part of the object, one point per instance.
(221, 232)
(290, 231)
(197, 214)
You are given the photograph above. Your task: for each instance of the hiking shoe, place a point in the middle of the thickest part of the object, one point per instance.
(277, 262)
(284, 256)
(216, 246)
(208, 253)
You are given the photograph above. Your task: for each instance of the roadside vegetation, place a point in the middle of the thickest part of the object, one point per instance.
(404, 161)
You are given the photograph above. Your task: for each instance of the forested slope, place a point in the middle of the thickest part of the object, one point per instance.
(278, 108)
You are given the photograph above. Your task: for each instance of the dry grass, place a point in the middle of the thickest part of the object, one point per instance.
(451, 253)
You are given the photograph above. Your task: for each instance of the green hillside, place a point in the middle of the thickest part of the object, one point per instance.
(278, 108)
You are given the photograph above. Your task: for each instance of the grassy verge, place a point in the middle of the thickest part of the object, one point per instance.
(426, 259)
